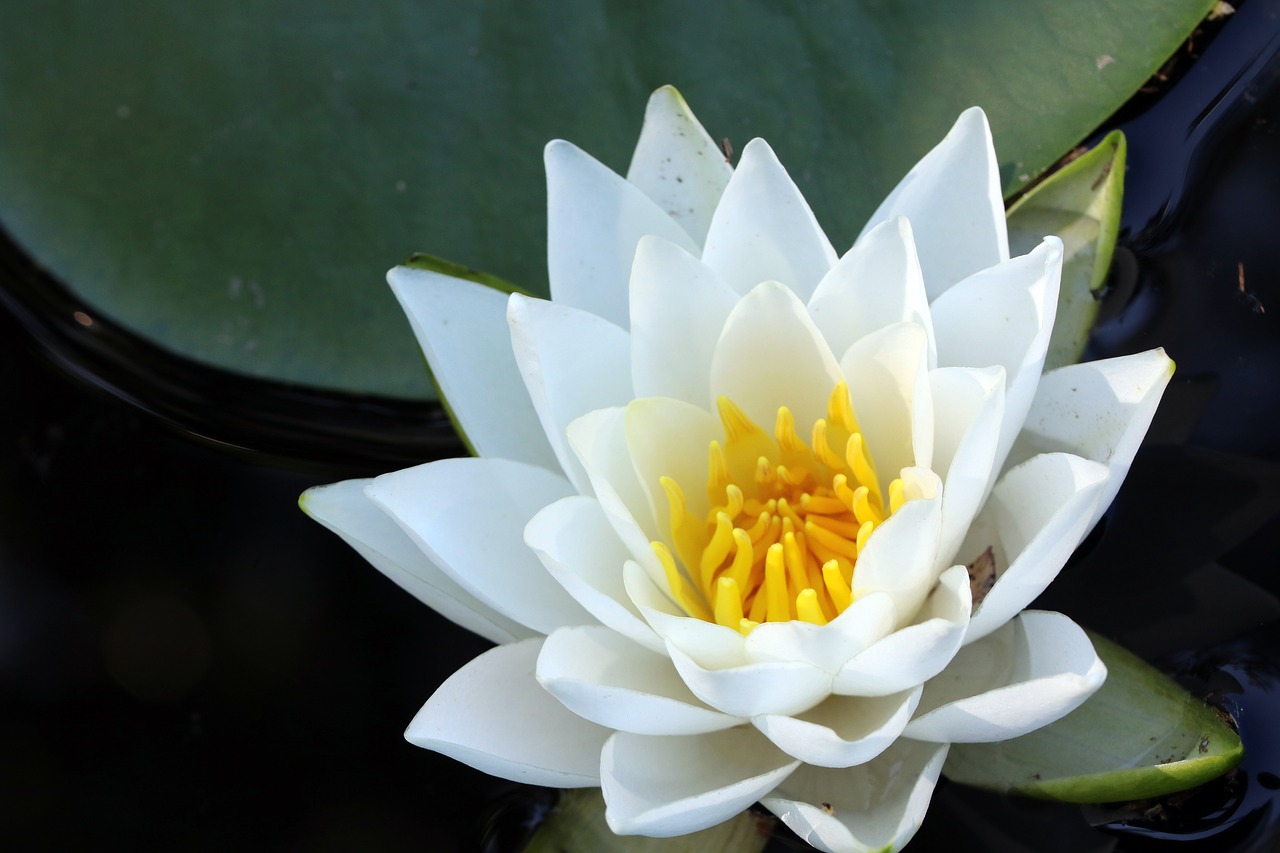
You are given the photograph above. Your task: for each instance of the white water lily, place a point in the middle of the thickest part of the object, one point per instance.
(728, 483)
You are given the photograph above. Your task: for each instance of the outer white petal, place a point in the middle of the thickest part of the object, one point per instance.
(678, 307)
(754, 688)
(876, 284)
(1099, 410)
(344, 509)
(830, 646)
(594, 220)
(1039, 512)
(599, 439)
(574, 540)
(918, 652)
(1036, 669)
(1003, 316)
(970, 410)
(901, 554)
(549, 341)
(665, 786)
(462, 329)
(677, 164)
(843, 730)
(668, 438)
(769, 355)
(888, 383)
(606, 678)
(952, 197)
(763, 229)
(873, 807)
(468, 516)
(493, 716)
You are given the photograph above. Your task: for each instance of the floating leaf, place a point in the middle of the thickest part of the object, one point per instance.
(1140, 736)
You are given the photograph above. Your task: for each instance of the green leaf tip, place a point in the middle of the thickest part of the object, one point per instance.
(1081, 204)
(1140, 736)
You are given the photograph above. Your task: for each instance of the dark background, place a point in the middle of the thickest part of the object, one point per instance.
(188, 663)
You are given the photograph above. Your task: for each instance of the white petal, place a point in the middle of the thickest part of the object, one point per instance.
(770, 355)
(1036, 669)
(594, 220)
(665, 786)
(876, 284)
(668, 438)
(1003, 316)
(1099, 410)
(469, 515)
(901, 553)
(755, 688)
(763, 229)
(344, 509)
(577, 545)
(677, 164)
(918, 652)
(888, 383)
(678, 307)
(606, 678)
(828, 647)
(1039, 512)
(599, 439)
(873, 807)
(493, 716)
(549, 340)
(462, 329)
(969, 406)
(843, 730)
(952, 197)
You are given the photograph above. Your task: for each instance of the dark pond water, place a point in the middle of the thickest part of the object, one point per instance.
(187, 663)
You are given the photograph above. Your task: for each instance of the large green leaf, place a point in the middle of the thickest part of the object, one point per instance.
(1140, 736)
(231, 180)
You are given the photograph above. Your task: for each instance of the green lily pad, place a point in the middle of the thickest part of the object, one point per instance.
(231, 181)
(1081, 204)
(1140, 736)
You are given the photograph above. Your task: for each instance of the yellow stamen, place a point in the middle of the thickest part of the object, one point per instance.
(837, 586)
(737, 426)
(807, 608)
(680, 588)
(896, 498)
(717, 549)
(728, 603)
(840, 408)
(775, 586)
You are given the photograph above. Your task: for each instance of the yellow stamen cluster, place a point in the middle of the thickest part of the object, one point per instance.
(786, 524)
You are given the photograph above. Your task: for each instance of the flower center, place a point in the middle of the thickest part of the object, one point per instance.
(786, 524)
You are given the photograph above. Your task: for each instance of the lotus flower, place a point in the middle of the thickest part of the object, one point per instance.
(750, 520)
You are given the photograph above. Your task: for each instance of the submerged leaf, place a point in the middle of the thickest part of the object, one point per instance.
(1140, 736)
(1081, 204)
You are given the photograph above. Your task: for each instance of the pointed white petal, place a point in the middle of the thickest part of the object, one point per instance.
(763, 229)
(665, 786)
(493, 716)
(462, 329)
(594, 220)
(1099, 410)
(599, 439)
(574, 540)
(604, 677)
(1003, 316)
(828, 647)
(872, 808)
(754, 688)
(969, 403)
(952, 197)
(769, 355)
(344, 509)
(677, 164)
(876, 284)
(888, 383)
(918, 652)
(549, 340)
(678, 307)
(1039, 512)
(901, 553)
(668, 438)
(468, 516)
(843, 730)
(1036, 669)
